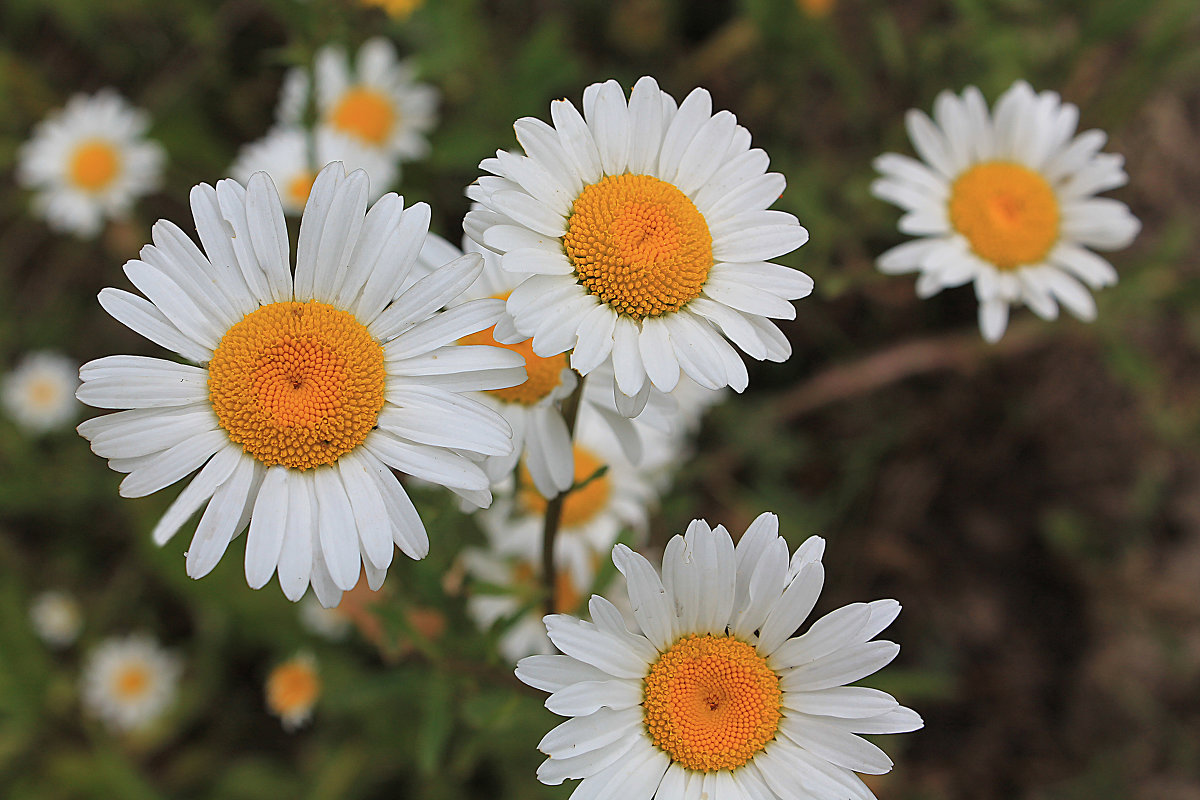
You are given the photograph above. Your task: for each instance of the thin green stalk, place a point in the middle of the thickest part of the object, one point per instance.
(554, 508)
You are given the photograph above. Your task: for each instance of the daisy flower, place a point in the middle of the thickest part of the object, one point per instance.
(1007, 200)
(509, 587)
(293, 157)
(292, 690)
(129, 682)
(89, 161)
(534, 408)
(56, 618)
(311, 387)
(39, 394)
(710, 695)
(645, 229)
(328, 623)
(376, 102)
(611, 494)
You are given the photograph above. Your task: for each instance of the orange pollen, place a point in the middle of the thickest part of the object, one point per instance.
(94, 165)
(293, 687)
(582, 504)
(43, 392)
(366, 113)
(639, 244)
(711, 702)
(545, 374)
(1008, 213)
(132, 682)
(298, 188)
(297, 384)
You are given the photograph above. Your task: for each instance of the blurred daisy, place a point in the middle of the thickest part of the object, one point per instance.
(508, 587)
(710, 695)
(377, 102)
(56, 618)
(534, 408)
(328, 623)
(129, 682)
(396, 9)
(292, 690)
(39, 394)
(646, 230)
(314, 385)
(89, 161)
(1007, 200)
(293, 157)
(611, 495)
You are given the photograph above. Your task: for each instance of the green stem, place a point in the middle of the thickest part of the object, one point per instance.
(554, 508)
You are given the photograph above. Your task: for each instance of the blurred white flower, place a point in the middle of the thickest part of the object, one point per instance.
(90, 161)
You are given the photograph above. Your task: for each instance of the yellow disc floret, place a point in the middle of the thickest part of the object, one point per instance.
(366, 113)
(639, 244)
(293, 687)
(297, 384)
(94, 165)
(582, 504)
(131, 681)
(1007, 212)
(711, 702)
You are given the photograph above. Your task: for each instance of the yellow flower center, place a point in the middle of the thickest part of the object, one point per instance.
(298, 188)
(293, 687)
(1007, 212)
(94, 165)
(131, 682)
(44, 393)
(297, 384)
(639, 244)
(366, 113)
(545, 374)
(711, 702)
(582, 504)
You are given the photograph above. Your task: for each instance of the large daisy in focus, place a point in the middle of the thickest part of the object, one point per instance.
(89, 162)
(646, 230)
(710, 695)
(313, 385)
(1007, 200)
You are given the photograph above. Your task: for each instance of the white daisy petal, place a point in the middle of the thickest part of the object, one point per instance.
(143, 317)
(264, 541)
(607, 651)
(651, 605)
(296, 557)
(219, 522)
(197, 492)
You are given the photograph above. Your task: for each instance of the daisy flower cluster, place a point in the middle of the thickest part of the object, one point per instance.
(371, 115)
(550, 373)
